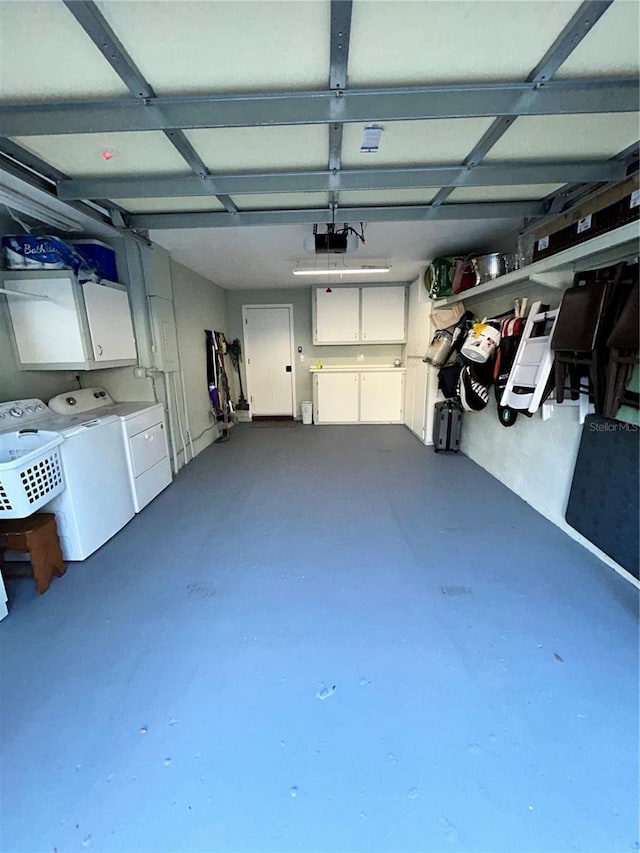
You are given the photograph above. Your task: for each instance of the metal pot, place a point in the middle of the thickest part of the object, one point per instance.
(488, 266)
(440, 347)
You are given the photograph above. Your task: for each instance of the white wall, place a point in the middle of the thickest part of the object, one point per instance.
(300, 298)
(534, 458)
(199, 304)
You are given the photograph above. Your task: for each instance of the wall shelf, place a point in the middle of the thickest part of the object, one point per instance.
(617, 245)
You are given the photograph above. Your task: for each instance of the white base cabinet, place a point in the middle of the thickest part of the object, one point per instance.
(345, 397)
(381, 397)
(415, 398)
(60, 324)
(336, 398)
(421, 395)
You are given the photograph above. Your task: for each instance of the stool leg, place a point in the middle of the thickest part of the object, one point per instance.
(559, 371)
(39, 543)
(54, 551)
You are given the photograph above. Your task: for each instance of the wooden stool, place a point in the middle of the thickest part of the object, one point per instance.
(38, 537)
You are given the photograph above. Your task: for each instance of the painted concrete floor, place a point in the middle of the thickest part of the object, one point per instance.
(325, 639)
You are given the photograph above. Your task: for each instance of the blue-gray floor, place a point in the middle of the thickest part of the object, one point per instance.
(325, 639)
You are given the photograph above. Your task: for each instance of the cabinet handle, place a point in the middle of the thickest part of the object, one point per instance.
(99, 348)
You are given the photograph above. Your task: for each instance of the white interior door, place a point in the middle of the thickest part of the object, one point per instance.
(268, 348)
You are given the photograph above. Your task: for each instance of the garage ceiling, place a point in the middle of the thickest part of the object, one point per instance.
(227, 128)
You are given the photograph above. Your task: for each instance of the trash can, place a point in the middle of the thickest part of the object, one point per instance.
(307, 412)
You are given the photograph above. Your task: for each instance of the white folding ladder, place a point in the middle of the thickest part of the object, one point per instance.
(532, 364)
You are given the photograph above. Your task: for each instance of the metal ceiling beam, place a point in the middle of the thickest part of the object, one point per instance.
(578, 27)
(580, 24)
(40, 169)
(321, 107)
(338, 65)
(340, 36)
(411, 213)
(96, 27)
(490, 175)
(44, 184)
(576, 192)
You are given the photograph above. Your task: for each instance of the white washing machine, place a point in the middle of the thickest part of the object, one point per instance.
(143, 435)
(96, 502)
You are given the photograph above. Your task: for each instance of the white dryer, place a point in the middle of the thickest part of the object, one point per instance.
(96, 502)
(143, 436)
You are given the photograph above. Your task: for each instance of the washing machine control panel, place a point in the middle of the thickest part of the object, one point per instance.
(17, 413)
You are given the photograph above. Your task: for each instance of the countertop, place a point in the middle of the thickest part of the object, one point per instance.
(358, 368)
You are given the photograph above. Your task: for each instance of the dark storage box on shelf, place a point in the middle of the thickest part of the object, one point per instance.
(612, 209)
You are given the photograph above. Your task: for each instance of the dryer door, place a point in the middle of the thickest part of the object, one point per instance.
(147, 448)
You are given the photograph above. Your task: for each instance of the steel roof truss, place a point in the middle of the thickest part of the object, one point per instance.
(471, 100)
(490, 175)
(411, 213)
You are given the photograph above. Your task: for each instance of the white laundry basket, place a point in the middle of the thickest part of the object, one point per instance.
(307, 412)
(30, 471)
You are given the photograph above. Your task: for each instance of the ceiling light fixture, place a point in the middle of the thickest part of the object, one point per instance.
(343, 271)
(23, 204)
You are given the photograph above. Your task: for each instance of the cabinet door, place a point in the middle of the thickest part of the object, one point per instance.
(409, 392)
(381, 397)
(47, 330)
(165, 337)
(336, 398)
(419, 418)
(109, 319)
(337, 315)
(383, 314)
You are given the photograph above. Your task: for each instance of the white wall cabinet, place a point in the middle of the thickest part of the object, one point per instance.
(337, 317)
(383, 315)
(109, 318)
(60, 324)
(345, 396)
(359, 315)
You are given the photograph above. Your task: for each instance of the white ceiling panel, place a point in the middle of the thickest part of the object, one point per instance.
(81, 155)
(571, 137)
(514, 193)
(45, 54)
(264, 148)
(281, 201)
(356, 198)
(414, 143)
(167, 205)
(189, 47)
(261, 257)
(406, 42)
(611, 49)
